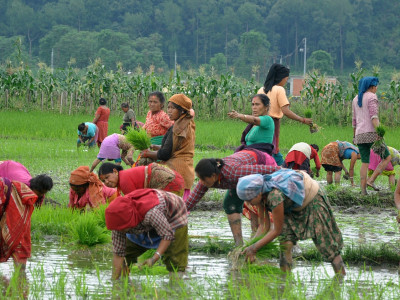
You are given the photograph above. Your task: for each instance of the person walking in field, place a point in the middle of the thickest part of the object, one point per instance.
(101, 120)
(148, 219)
(177, 147)
(276, 79)
(332, 156)
(114, 147)
(154, 176)
(157, 121)
(300, 210)
(87, 191)
(365, 120)
(224, 174)
(87, 134)
(299, 156)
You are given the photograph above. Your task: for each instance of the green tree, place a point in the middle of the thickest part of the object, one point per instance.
(218, 61)
(322, 61)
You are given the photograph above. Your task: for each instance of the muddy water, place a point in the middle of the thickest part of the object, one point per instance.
(62, 263)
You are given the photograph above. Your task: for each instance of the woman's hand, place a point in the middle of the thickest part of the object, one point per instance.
(148, 262)
(233, 114)
(250, 253)
(307, 121)
(145, 153)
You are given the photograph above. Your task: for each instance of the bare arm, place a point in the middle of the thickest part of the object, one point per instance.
(375, 122)
(164, 244)
(291, 115)
(96, 118)
(245, 118)
(94, 164)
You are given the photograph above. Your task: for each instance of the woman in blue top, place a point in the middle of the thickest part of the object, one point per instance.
(87, 134)
(332, 157)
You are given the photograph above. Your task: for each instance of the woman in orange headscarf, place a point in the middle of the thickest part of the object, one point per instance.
(87, 191)
(177, 147)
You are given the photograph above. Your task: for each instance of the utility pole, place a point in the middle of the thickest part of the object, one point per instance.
(305, 56)
(175, 66)
(52, 60)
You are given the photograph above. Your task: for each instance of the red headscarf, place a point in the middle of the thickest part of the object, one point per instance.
(81, 176)
(128, 211)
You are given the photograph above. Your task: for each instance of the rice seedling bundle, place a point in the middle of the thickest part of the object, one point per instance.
(86, 231)
(138, 138)
(313, 126)
(379, 146)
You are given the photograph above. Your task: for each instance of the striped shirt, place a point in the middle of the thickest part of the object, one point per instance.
(236, 165)
(165, 218)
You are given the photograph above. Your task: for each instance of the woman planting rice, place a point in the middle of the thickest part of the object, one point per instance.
(298, 158)
(273, 88)
(87, 134)
(153, 176)
(16, 207)
(111, 149)
(157, 121)
(332, 157)
(16, 171)
(153, 219)
(365, 121)
(375, 159)
(177, 147)
(224, 174)
(300, 210)
(87, 191)
(101, 120)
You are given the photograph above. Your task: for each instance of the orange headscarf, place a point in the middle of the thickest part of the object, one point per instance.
(81, 176)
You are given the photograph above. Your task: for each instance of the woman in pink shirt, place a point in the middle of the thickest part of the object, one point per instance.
(365, 120)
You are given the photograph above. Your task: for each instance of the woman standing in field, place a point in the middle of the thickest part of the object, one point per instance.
(157, 121)
(277, 77)
(332, 157)
(365, 121)
(101, 121)
(111, 149)
(224, 174)
(177, 147)
(300, 211)
(87, 134)
(299, 156)
(16, 208)
(154, 176)
(129, 119)
(87, 191)
(16, 171)
(375, 159)
(148, 219)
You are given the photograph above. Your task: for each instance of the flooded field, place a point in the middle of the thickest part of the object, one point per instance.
(57, 270)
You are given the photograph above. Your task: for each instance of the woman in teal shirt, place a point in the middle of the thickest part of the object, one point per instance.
(258, 137)
(87, 134)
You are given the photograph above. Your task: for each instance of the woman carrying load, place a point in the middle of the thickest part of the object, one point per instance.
(114, 147)
(224, 174)
(300, 210)
(177, 147)
(157, 121)
(148, 219)
(87, 191)
(153, 176)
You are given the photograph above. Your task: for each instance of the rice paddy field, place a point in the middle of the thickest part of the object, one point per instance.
(71, 251)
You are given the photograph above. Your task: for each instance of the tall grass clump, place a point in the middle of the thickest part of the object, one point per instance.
(86, 231)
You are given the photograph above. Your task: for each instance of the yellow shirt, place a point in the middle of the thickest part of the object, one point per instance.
(278, 99)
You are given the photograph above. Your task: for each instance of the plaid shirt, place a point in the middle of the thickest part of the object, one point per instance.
(236, 165)
(165, 218)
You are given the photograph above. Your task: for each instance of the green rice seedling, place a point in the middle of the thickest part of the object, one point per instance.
(379, 146)
(269, 250)
(308, 113)
(152, 271)
(138, 138)
(100, 214)
(86, 231)
(212, 246)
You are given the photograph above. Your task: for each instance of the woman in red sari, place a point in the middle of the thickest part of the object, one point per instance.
(101, 120)
(16, 207)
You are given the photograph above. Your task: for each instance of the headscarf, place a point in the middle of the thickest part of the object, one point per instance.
(81, 176)
(128, 211)
(289, 182)
(363, 85)
(182, 100)
(181, 125)
(275, 75)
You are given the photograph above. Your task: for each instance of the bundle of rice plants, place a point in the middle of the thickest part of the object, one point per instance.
(313, 127)
(86, 231)
(379, 146)
(100, 215)
(308, 113)
(138, 138)
(268, 251)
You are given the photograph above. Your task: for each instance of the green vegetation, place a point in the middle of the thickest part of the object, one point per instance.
(86, 231)
(138, 138)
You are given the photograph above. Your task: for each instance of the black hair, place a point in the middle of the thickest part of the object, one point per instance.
(206, 167)
(80, 185)
(81, 126)
(108, 168)
(264, 99)
(102, 101)
(315, 147)
(180, 108)
(41, 183)
(159, 95)
(125, 105)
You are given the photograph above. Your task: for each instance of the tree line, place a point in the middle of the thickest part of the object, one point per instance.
(238, 36)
